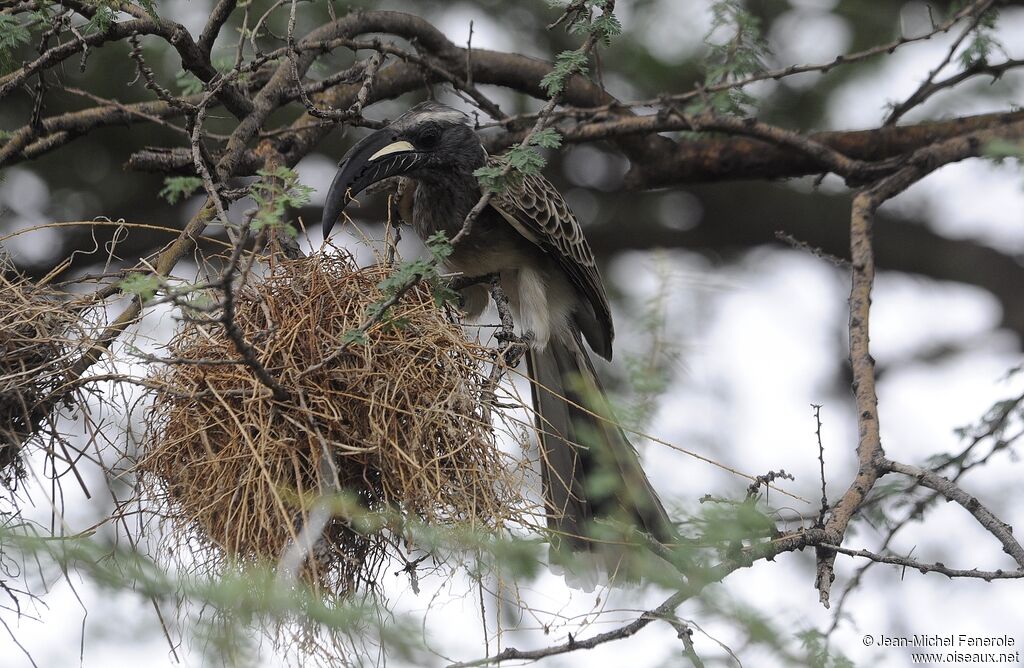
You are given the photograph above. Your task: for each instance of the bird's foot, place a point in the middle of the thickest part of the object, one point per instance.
(461, 282)
(509, 336)
(515, 346)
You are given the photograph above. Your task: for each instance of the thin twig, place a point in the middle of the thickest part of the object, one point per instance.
(928, 87)
(950, 490)
(922, 567)
(821, 461)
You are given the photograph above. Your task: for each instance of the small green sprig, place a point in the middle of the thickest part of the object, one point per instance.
(405, 276)
(567, 63)
(983, 43)
(277, 191)
(603, 28)
(546, 138)
(149, 6)
(102, 18)
(427, 269)
(740, 56)
(524, 160)
(188, 83)
(143, 286)
(179, 188)
(12, 35)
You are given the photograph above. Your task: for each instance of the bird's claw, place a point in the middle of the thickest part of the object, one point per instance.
(515, 346)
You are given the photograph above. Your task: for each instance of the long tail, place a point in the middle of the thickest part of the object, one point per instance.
(590, 471)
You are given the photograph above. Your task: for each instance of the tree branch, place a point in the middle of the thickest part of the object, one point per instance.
(705, 160)
(937, 567)
(951, 491)
(218, 17)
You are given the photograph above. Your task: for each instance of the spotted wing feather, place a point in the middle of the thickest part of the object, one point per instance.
(537, 210)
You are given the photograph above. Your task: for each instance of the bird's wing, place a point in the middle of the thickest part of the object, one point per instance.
(535, 208)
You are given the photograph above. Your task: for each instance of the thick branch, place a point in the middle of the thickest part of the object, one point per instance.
(869, 445)
(218, 17)
(713, 159)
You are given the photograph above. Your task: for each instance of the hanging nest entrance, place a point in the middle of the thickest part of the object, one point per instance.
(399, 415)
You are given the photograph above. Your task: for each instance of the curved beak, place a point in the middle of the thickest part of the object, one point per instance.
(374, 158)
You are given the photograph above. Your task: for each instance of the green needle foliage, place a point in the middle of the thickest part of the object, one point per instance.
(149, 6)
(188, 83)
(814, 644)
(180, 188)
(243, 601)
(102, 19)
(741, 54)
(518, 161)
(547, 138)
(567, 63)
(604, 27)
(12, 35)
(420, 269)
(492, 177)
(277, 191)
(143, 286)
(650, 371)
(983, 42)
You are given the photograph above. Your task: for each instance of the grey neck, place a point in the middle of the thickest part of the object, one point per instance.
(443, 200)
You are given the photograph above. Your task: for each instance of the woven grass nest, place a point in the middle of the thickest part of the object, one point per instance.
(399, 412)
(38, 334)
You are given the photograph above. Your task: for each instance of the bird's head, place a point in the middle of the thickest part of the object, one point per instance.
(429, 140)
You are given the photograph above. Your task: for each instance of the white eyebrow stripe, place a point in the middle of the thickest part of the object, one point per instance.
(442, 115)
(394, 147)
(435, 113)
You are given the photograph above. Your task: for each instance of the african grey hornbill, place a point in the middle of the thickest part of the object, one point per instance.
(530, 238)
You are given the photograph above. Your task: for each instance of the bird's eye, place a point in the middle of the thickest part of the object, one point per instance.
(428, 137)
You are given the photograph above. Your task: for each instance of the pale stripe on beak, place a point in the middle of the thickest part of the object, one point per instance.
(394, 147)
